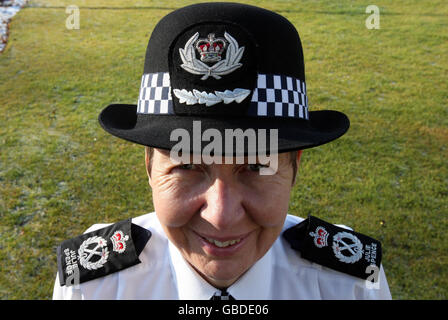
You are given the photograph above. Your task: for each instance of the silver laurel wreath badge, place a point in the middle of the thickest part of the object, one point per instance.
(210, 99)
(353, 247)
(215, 48)
(86, 253)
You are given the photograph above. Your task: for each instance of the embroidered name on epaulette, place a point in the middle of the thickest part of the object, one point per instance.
(100, 252)
(335, 247)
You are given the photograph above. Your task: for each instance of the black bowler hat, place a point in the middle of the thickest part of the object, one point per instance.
(229, 66)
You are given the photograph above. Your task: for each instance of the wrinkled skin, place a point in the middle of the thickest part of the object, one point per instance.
(223, 202)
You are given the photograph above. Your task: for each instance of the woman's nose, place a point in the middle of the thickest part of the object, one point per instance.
(224, 208)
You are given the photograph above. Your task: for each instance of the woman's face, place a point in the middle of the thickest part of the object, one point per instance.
(222, 217)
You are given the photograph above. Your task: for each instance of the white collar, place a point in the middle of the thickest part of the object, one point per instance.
(255, 284)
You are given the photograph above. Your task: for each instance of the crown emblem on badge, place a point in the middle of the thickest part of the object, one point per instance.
(320, 237)
(211, 48)
(119, 241)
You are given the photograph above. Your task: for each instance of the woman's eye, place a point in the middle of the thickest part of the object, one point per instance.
(256, 167)
(187, 166)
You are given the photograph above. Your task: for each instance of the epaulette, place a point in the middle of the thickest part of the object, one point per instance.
(100, 252)
(335, 247)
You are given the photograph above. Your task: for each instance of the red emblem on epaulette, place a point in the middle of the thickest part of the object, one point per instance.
(119, 241)
(320, 237)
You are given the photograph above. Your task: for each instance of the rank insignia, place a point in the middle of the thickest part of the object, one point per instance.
(335, 247)
(119, 241)
(320, 237)
(211, 50)
(101, 252)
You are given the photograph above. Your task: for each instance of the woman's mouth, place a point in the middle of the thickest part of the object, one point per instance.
(223, 244)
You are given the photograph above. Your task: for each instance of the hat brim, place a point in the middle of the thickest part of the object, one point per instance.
(323, 126)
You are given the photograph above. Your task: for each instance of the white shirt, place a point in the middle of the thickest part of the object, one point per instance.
(164, 274)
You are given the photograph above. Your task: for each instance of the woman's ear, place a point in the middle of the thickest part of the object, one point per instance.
(296, 168)
(299, 155)
(148, 165)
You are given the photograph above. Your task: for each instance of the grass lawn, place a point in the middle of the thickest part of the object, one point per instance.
(387, 177)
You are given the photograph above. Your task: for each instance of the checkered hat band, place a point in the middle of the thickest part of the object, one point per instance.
(279, 96)
(274, 96)
(155, 94)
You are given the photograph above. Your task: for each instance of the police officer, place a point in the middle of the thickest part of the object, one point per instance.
(223, 113)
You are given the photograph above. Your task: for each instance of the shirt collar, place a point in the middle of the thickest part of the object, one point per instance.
(190, 285)
(255, 284)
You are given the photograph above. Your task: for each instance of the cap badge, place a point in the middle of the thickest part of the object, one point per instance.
(211, 50)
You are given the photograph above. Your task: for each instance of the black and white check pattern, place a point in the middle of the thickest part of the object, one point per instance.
(155, 94)
(222, 295)
(279, 96)
(274, 96)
